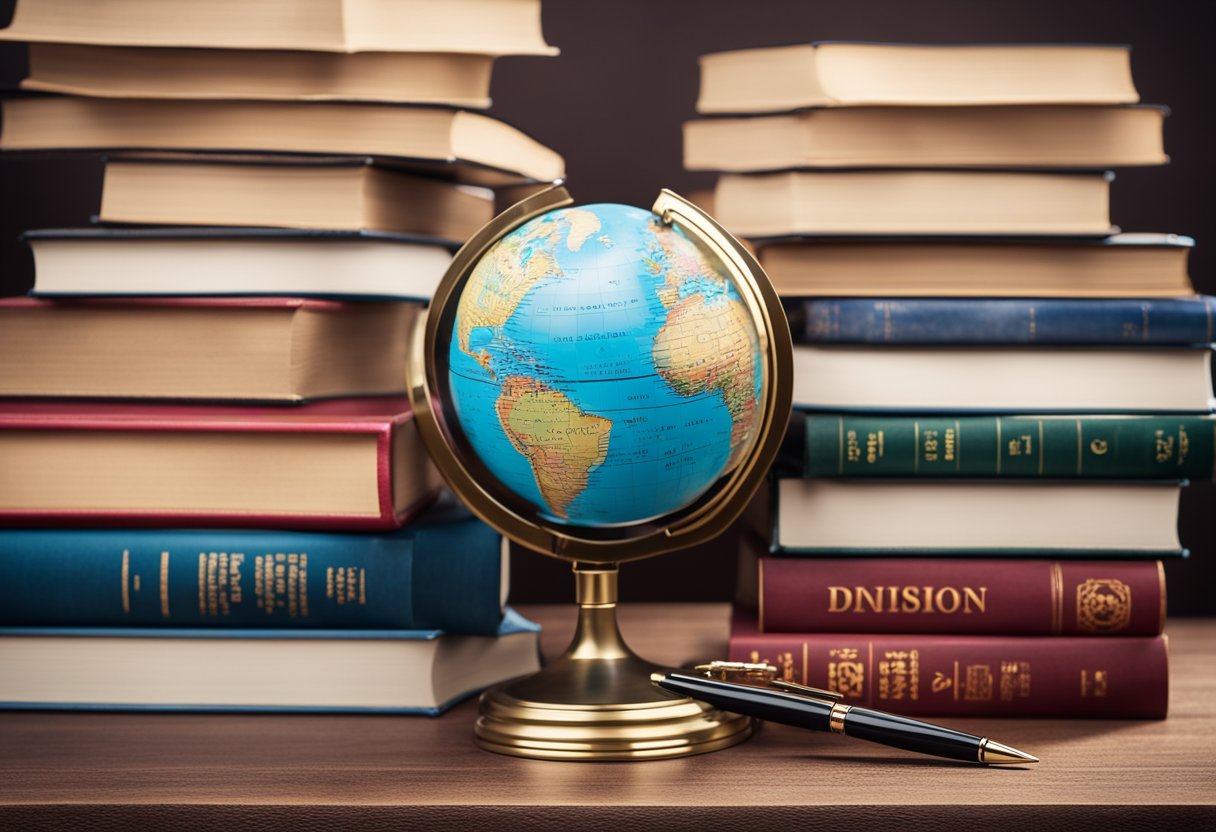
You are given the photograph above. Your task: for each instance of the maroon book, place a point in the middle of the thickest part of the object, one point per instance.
(996, 597)
(992, 676)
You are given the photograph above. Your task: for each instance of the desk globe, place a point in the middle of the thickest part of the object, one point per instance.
(602, 383)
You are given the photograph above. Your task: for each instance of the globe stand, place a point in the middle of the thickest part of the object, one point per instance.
(596, 702)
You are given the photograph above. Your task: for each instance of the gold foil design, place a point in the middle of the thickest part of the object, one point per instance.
(1015, 680)
(1104, 605)
(164, 584)
(1093, 686)
(899, 675)
(846, 673)
(126, 579)
(978, 687)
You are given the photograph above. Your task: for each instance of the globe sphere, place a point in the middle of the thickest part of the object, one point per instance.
(603, 367)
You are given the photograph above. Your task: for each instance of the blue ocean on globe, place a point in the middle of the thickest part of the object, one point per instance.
(603, 367)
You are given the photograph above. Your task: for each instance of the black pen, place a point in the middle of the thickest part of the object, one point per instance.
(821, 710)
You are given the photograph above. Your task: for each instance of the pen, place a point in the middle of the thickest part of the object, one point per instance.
(821, 710)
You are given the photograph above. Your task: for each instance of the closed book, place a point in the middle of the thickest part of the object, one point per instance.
(446, 571)
(1123, 266)
(254, 349)
(842, 74)
(1121, 447)
(356, 671)
(976, 517)
(235, 262)
(962, 597)
(1031, 136)
(455, 142)
(1009, 380)
(342, 464)
(991, 676)
(1004, 321)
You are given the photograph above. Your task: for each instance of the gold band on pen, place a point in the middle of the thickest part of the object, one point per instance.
(836, 718)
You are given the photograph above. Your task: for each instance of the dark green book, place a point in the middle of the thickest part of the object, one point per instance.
(1118, 447)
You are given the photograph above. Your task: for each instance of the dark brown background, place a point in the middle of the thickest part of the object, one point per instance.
(613, 103)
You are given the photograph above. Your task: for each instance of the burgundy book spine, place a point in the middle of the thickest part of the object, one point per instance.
(997, 597)
(992, 676)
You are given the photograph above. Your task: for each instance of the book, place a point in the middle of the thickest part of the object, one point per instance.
(1122, 266)
(963, 597)
(253, 349)
(343, 464)
(213, 262)
(1010, 380)
(1059, 136)
(445, 571)
(913, 202)
(980, 517)
(343, 195)
(496, 27)
(950, 675)
(1124, 447)
(475, 146)
(1052, 321)
(358, 671)
(449, 79)
(839, 74)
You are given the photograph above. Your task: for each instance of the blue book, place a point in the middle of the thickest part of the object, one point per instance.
(316, 671)
(1161, 322)
(447, 571)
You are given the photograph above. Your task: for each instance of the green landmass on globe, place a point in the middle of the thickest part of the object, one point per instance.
(603, 367)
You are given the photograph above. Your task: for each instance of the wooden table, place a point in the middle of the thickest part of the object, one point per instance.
(254, 773)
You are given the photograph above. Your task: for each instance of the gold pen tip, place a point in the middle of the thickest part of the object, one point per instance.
(996, 753)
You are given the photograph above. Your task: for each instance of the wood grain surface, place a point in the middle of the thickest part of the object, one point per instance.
(254, 772)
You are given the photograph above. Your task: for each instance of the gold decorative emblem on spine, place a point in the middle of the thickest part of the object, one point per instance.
(836, 719)
(1104, 605)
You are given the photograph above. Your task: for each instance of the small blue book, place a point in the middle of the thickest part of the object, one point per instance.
(994, 321)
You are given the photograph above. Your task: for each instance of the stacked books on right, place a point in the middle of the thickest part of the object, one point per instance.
(999, 395)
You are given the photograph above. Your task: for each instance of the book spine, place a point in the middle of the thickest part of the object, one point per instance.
(443, 576)
(992, 597)
(1168, 321)
(994, 676)
(1131, 447)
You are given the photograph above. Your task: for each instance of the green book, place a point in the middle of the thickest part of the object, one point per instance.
(1123, 447)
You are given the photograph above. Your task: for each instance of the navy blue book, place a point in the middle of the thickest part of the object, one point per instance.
(1160, 322)
(447, 571)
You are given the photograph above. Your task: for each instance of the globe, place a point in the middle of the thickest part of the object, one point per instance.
(603, 366)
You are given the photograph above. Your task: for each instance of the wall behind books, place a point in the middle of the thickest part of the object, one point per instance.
(627, 77)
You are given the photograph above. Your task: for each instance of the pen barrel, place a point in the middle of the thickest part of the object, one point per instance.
(911, 735)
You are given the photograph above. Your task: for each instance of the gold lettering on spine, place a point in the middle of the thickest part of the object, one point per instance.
(835, 602)
(202, 584)
(954, 596)
(980, 599)
(865, 594)
(164, 584)
(126, 580)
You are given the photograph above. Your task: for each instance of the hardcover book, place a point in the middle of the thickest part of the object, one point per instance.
(343, 464)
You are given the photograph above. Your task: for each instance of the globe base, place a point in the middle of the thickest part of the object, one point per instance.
(597, 701)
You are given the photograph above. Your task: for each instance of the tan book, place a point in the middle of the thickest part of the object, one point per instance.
(1027, 136)
(495, 27)
(460, 80)
(252, 349)
(913, 202)
(354, 196)
(1123, 266)
(490, 150)
(783, 78)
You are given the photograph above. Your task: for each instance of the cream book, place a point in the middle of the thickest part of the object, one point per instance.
(913, 202)
(842, 74)
(494, 27)
(446, 78)
(445, 139)
(1026, 136)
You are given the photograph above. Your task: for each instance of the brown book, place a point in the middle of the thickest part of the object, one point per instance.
(782, 78)
(1125, 265)
(449, 78)
(913, 202)
(496, 151)
(495, 27)
(351, 195)
(250, 349)
(1027, 136)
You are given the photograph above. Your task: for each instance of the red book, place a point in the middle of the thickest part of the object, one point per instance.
(346, 464)
(997, 597)
(995, 676)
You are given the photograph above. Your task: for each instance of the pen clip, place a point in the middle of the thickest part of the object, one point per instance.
(760, 673)
(807, 691)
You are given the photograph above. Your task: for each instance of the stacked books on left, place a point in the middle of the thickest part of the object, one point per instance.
(212, 491)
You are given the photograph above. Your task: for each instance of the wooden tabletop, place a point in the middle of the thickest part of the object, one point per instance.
(118, 771)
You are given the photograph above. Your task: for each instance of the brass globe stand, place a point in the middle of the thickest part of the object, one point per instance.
(597, 702)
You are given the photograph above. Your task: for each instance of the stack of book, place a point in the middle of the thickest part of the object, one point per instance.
(214, 492)
(999, 394)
